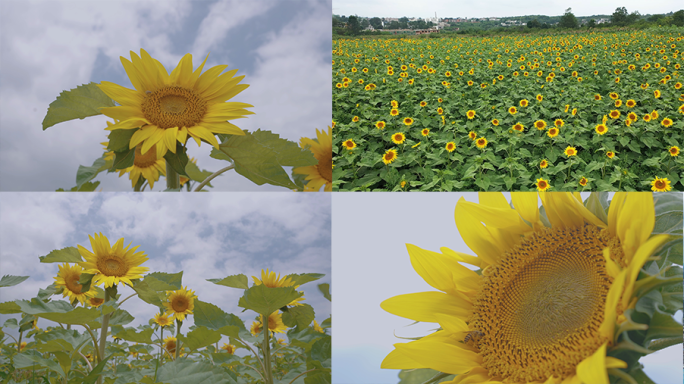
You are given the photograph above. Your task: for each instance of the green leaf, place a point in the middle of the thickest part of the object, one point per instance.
(595, 204)
(147, 294)
(304, 278)
(160, 281)
(130, 334)
(233, 281)
(79, 315)
(120, 317)
(86, 174)
(35, 306)
(200, 337)
(177, 160)
(120, 139)
(9, 280)
(33, 358)
(64, 255)
(260, 157)
(300, 315)
(210, 316)
(321, 351)
(78, 103)
(123, 159)
(663, 325)
(265, 300)
(183, 371)
(70, 340)
(197, 174)
(325, 290)
(9, 307)
(421, 375)
(668, 209)
(97, 370)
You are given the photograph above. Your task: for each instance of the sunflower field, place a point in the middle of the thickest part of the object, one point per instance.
(84, 338)
(592, 111)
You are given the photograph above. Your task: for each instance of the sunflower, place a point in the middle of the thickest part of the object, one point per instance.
(67, 279)
(654, 114)
(613, 95)
(614, 114)
(255, 329)
(162, 320)
(542, 185)
(667, 122)
(180, 303)
(229, 348)
(647, 117)
(630, 103)
(570, 151)
(394, 112)
(656, 94)
(553, 132)
(380, 125)
(470, 114)
(389, 156)
(540, 125)
(559, 123)
(450, 146)
(540, 98)
(355, 119)
(543, 164)
(618, 103)
(168, 108)
(320, 174)
(495, 122)
(601, 129)
(610, 154)
(512, 110)
(275, 324)
(425, 132)
(472, 135)
(440, 110)
(423, 103)
(112, 265)
(549, 300)
(95, 302)
(150, 166)
(398, 138)
(349, 144)
(408, 121)
(674, 150)
(519, 127)
(583, 181)
(597, 97)
(273, 280)
(660, 185)
(170, 345)
(481, 142)
(524, 103)
(317, 327)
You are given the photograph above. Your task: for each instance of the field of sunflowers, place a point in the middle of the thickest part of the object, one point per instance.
(565, 112)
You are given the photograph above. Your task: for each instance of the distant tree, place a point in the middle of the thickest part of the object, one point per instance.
(364, 23)
(619, 16)
(655, 18)
(568, 20)
(591, 23)
(376, 23)
(633, 17)
(404, 20)
(394, 25)
(353, 25)
(534, 23)
(678, 18)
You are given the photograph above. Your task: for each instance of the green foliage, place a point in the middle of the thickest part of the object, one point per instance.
(200, 337)
(325, 290)
(419, 376)
(64, 255)
(300, 316)
(264, 300)
(234, 281)
(186, 371)
(261, 156)
(79, 103)
(86, 174)
(10, 281)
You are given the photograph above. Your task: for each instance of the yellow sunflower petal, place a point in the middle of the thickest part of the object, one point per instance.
(635, 221)
(170, 138)
(224, 128)
(607, 328)
(440, 271)
(476, 235)
(614, 212)
(134, 74)
(121, 95)
(203, 133)
(121, 112)
(640, 257)
(526, 204)
(183, 71)
(593, 369)
(154, 138)
(142, 134)
(208, 77)
(436, 351)
(612, 362)
(423, 306)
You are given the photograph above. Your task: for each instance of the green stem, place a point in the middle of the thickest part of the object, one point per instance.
(178, 327)
(267, 350)
(212, 176)
(21, 334)
(103, 336)
(92, 335)
(172, 178)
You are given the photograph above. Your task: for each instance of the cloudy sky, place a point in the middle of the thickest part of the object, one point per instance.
(495, 8)
(46, 47)
(204, 235)
(371, 264)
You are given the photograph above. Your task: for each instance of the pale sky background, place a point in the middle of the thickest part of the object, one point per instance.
(495, 8)
(204, 235)
(371, 264)
(46, 47)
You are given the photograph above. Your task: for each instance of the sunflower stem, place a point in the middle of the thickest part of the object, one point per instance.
(178, 327)
(103, 335)
(267, 350)
(212, 176)
(622, 375)
(172, 178)
(97, 350)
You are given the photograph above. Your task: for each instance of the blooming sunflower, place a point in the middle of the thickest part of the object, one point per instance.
(162, 320)
(519, 127)
(168, 108)
(553, 132)
(450, 146)
(380, 125)
(660, 185)
(583, 181)
(95, 302)
(481, 142)
(273, 280)
(610, 154)
(540, 125)
(555, 290)
(112, 265)
(472, 135)
(667, 122)
(512, 110)
(559, 123)
(470, 114)
(180, 303)
(389, 156)
(150, 166)
(543, 164)
(230, 348)
(601, 129)
(317, 327)
(674, 150)
(425, 132)
(524, 103)
(321, 173)
(398, 138)
(349, 144)
(67, 279)
(570, 151)
(275, 324)
(495, 122)
(408, 121)
(542, 185)
(170, 344)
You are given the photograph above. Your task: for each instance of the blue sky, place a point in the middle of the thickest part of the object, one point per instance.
(495, 8)
(203, 235)
(46, 47)
(371, 264)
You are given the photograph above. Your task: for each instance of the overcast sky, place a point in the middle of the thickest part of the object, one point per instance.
(371, 264)
(204, 235)
(495, 8)
(46, 47)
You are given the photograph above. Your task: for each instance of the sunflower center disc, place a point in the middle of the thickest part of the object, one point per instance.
(72, 284)
(174, 106)
(112, 266)
(325, 167)
(179, 305)
(147, 160)
(540, 309)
